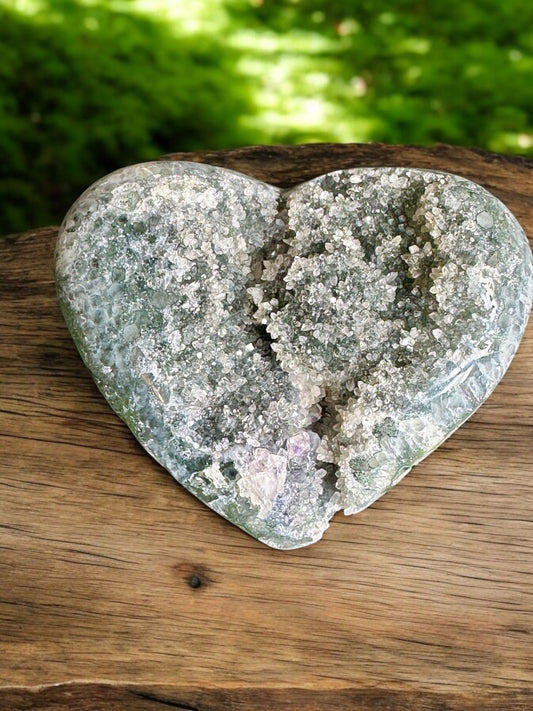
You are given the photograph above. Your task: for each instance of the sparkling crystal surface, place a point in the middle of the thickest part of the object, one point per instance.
(288, 354)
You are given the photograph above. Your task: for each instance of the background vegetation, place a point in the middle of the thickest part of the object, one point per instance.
(87, 86)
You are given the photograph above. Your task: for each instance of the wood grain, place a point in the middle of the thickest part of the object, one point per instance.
(118, 590)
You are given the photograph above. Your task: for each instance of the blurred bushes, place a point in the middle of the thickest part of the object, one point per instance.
(87, 86)
(416, 71)
(85, 90)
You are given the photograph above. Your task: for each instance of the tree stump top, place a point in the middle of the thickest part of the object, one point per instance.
(119, 590)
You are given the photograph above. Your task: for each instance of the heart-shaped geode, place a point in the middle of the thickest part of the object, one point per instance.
(287, 354)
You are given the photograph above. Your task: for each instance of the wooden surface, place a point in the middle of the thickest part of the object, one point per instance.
(118, 590)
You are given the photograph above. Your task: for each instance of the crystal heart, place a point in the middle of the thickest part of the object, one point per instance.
(287, 354)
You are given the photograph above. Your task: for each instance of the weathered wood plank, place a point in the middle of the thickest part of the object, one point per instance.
(422, 601)
(101, 697)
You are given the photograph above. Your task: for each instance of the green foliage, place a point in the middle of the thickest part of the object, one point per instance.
(87, 86)
(85, 90)
(417, 71)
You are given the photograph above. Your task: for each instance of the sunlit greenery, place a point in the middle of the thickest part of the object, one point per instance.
(87, 86)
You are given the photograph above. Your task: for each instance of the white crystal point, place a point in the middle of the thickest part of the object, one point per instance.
(286, 354)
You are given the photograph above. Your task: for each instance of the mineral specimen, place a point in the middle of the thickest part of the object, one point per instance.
(287, 354)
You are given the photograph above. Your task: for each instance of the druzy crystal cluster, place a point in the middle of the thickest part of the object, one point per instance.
(289, 354)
